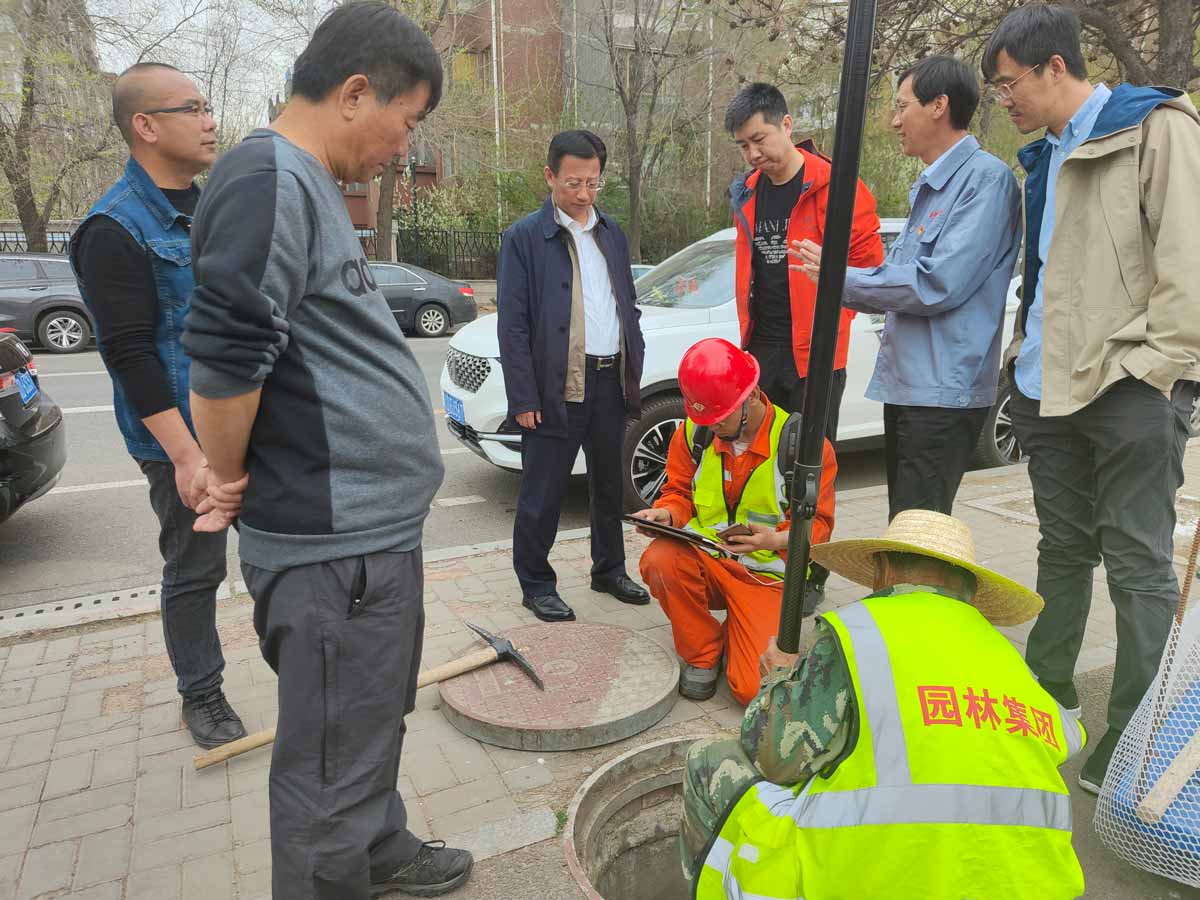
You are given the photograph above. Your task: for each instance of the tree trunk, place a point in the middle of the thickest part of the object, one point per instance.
(18, 166)
(384, 239)
(1175, 43)
(33, 223)
(635, 216)
(633, 155)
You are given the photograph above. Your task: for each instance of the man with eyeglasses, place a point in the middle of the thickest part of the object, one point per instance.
(132, 258)
(942, 287)
(572, 350)
(1106, 350)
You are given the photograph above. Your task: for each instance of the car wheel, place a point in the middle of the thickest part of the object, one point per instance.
(998, 445)
(644, 453)
(432, 321)
(64, 331)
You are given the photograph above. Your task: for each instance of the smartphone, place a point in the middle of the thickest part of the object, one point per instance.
(734, 531)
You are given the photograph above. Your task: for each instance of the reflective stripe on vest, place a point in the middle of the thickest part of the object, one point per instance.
(720, 859)
(815, 836)
(763, 500)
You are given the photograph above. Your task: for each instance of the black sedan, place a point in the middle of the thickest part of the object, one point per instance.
(33, 441)
(39, 300)
(424, 302)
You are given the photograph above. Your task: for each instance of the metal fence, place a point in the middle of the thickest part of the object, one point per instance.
(368, 240)
(466, 255)
(14, 242)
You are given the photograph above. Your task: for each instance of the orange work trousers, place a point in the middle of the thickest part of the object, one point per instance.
(688, 583)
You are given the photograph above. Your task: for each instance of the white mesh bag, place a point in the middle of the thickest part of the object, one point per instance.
(1149, 809)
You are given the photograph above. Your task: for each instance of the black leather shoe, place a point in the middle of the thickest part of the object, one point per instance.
(623, 588)
(549, 608)
(212, 721)
(436, 870)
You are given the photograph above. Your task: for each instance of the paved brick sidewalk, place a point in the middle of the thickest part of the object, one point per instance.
(99, 799)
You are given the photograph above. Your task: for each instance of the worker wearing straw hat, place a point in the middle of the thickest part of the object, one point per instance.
(941, 769)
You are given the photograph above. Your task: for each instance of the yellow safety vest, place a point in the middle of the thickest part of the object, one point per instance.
(763, 500)
(952, 789)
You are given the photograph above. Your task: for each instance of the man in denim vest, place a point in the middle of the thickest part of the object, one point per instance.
(132, 258)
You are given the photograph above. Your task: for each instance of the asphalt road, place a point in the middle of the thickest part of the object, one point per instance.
(96, 533)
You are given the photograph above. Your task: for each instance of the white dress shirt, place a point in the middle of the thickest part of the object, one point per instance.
(602, 331)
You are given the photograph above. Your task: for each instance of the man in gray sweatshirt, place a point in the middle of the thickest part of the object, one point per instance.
(319, 434)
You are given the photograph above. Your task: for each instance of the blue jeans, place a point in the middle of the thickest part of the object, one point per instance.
(193, 569)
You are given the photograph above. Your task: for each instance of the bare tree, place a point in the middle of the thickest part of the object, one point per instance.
(429, 14)
(658, 54)
(1144, 41)
(55, 121)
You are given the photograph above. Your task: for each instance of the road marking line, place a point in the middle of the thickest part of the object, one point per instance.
(456, 451)
(98, 486)
(459, 501)
(86, 409)
(70, 374)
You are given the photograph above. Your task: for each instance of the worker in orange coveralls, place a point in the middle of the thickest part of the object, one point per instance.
(725, 482)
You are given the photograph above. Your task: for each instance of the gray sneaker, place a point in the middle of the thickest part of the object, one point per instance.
(697, 683)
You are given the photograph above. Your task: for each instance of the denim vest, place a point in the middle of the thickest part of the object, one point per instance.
(138, 205)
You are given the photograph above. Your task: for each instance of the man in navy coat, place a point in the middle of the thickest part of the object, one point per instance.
(572, 352)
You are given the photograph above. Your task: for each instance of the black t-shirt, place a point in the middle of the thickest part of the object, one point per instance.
(772, 309)
(124, 300)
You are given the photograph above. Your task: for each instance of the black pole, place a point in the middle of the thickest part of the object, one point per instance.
(843, 185)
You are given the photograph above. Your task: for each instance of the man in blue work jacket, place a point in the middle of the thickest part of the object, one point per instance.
(942, 287)
(572, 350)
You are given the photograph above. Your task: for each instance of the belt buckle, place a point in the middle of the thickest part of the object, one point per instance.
(606, 362)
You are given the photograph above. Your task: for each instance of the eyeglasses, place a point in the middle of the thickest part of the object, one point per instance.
(898, 108)
(193, 109)
(1004, 91)
(574, 184)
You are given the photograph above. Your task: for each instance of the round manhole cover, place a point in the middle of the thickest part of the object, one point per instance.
(603, 684)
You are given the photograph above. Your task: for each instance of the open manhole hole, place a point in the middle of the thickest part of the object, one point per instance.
(622, 832)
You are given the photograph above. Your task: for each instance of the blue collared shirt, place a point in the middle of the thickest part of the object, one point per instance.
(944, 284)
(1028, 368)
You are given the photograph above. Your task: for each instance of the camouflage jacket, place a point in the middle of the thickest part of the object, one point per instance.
(804, 719)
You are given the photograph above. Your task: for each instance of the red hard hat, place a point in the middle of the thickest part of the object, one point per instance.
(715, 378)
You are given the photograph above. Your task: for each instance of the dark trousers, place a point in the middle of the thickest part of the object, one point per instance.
(598, 425)
(928, 448)
(1104, 483)
(785, 388)
(347, 677)
(193, 569)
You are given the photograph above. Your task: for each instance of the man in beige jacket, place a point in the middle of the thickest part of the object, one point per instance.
(1106, 352)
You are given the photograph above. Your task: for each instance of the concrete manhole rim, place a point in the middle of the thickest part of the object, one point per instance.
(570, 849)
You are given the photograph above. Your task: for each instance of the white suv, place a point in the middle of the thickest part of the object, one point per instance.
(683, 299)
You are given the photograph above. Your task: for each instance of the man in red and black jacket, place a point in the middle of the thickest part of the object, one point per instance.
(783, 200)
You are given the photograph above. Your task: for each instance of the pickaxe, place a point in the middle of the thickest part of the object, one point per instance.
(497, 650)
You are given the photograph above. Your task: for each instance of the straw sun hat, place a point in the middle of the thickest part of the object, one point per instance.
(1002, 601)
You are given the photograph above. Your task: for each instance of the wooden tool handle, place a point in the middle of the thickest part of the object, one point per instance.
(234, 748)
(1164, 791)
(429, 676)
(1170, 783)
(457, 667)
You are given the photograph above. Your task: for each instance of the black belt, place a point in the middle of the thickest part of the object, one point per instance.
(603, 362)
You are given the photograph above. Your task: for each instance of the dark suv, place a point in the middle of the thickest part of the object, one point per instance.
(40, 301)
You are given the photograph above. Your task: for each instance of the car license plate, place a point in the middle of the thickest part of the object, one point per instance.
(454, 408)
(27, 387)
